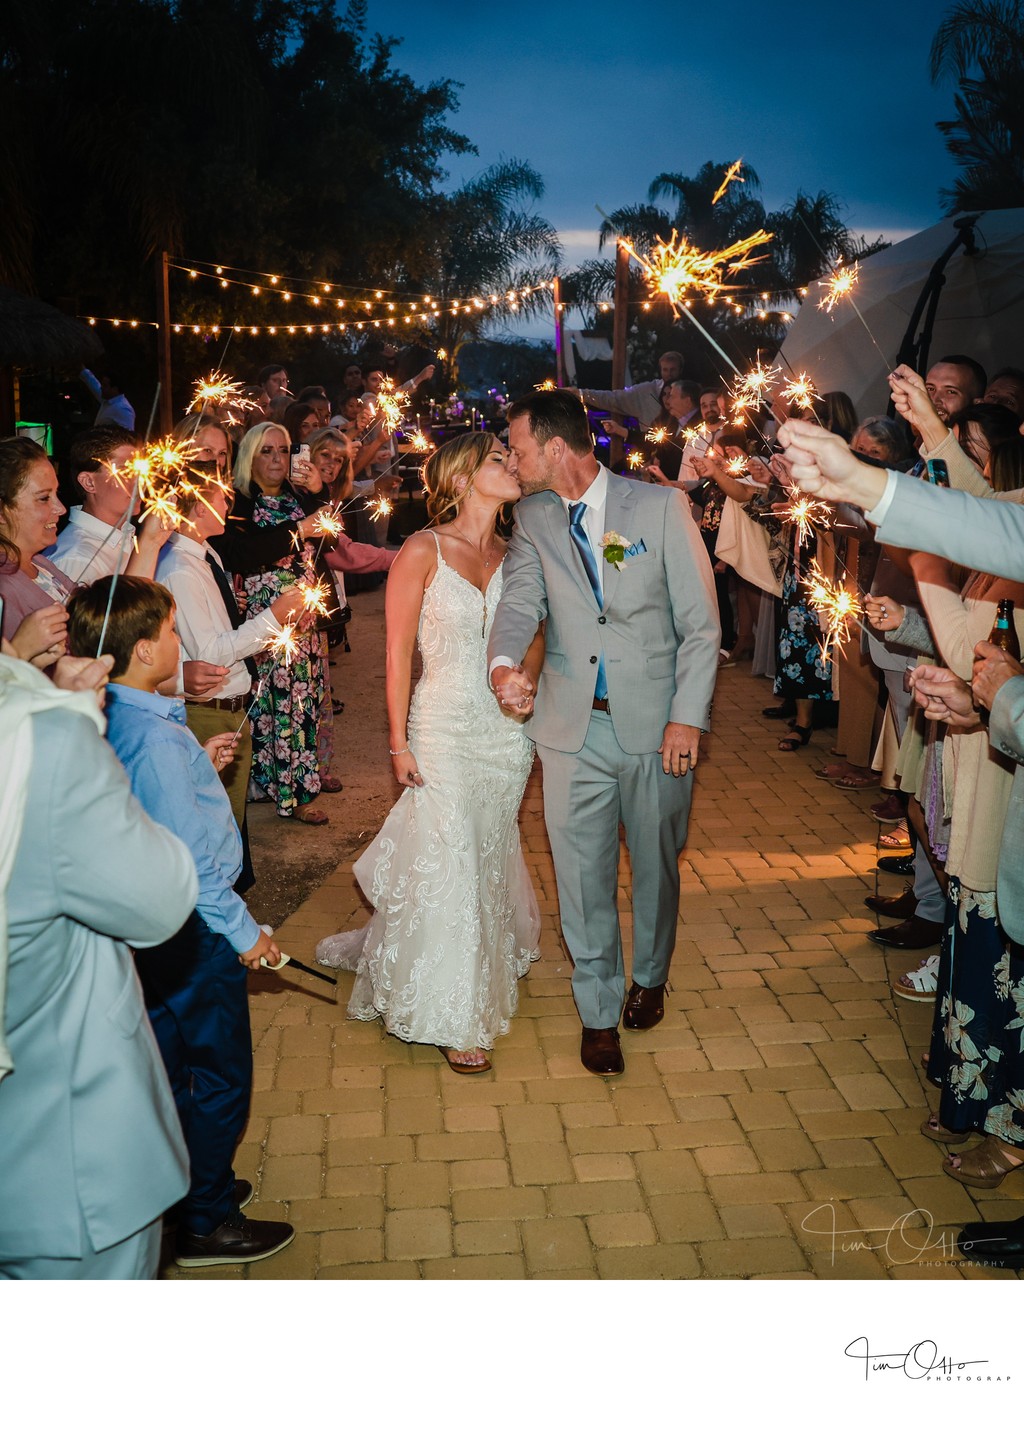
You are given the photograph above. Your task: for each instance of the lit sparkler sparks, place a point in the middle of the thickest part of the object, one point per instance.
(329, 524)
(837, 607)
(732, 173)
(391, 407)
(419, 442)
(736, 467)
(752, 388)
(380, 508)
(657, 436)
(799, 391)
(218, 391)
(838, 286)
(676, 268)
(691, 435)
(806, 515)
(284, 645)
(442, 354)
(546, 384)
(635, 459)
(315, 598)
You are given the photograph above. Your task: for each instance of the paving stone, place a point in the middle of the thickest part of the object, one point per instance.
(868, 1091)
(494, 1204)
(295, 1135)
(472, 1119)
(633, 1229)
(554, 1243)
(755, 1111)
(418, 1233)
(458, 1147)
(539, 1163)
(417, 1185)
(609, 1140)
(535, 1122)
(754, 1220)
(734, 1158)
(351, 1245)
(685, 1217)
(784, 1151)
(292, 1177)
(582, 1199)
(486, 1237)
(334, 1213)
(483, 1173)
(672, 1261)
(745, 1257)
(603, 1167)
(471, 1269)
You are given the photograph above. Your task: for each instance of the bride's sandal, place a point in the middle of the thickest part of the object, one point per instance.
(984, 1166)
(453, 1055)
(932, 1128)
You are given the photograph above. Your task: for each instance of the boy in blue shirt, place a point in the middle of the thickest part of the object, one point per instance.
(194, 984)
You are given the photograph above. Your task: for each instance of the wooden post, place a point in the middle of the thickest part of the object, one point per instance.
(163, 343)
(620, 329)
(559, 337)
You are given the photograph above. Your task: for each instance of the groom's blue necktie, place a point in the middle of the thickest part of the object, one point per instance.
(586, 553)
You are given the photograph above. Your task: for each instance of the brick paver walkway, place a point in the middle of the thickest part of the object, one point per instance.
(780, 1097)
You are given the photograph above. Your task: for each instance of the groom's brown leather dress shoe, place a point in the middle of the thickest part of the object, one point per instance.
(644, 1007)
(600, 1052)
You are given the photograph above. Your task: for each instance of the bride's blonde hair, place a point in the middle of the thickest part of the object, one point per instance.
(460, 458)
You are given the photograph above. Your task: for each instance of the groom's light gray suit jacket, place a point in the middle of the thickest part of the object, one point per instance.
(658, 627)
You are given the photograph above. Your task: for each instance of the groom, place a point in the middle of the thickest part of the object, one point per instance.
(631, 654)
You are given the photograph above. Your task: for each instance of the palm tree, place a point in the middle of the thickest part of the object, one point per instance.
(486, 240)
(981, 46)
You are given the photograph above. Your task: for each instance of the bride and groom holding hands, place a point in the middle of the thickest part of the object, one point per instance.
(597, 633)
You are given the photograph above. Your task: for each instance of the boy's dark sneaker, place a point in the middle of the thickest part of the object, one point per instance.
(238, 1239)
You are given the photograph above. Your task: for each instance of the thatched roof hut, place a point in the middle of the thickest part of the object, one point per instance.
(34, 334)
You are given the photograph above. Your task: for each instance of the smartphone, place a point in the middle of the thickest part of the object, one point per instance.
(299, 452)
(938, 473)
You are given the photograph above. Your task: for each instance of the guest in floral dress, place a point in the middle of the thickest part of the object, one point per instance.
(286, 713)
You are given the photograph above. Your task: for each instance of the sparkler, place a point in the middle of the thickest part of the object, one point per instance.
(315, 598)
(380, 508)
(635, 459)
(838, 607)
(736, 467)
(329, 524)
(545, 385)
(676, 268)
(838, 287)
(753, 387)
(419, 442)
(390, 408)
(805, 515)
(284, 645)
(800, 391)
(218, 391)
(255, 701)
(657, 436)
(732, 173)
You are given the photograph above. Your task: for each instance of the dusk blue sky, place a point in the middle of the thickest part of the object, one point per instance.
(601, 97)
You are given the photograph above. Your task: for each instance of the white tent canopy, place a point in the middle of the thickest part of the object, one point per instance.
(980, 310)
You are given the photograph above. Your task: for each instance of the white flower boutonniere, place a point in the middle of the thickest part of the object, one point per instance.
(615, 546)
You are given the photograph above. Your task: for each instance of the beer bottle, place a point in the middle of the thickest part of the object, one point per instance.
(1004, 630)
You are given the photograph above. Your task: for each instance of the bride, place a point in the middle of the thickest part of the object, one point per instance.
(455, 922)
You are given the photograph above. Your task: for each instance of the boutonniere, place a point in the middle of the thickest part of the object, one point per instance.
(615, 546)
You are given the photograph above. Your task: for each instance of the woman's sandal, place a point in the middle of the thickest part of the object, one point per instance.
(315, 817)
(832, 771)
(897, 838)
(852, 781)
(984, 1166)
(933, 1129)
(796, 738)
(779, 711)
(330, 784)
(465, 1068)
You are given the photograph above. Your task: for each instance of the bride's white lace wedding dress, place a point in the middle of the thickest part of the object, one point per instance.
(455, 922)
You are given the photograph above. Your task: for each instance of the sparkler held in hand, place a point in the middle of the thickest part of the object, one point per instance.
(837, 606)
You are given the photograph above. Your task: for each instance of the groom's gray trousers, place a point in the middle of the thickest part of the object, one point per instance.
(586, 796)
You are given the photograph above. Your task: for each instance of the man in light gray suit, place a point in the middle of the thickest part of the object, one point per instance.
(91, 1151)
(617, 571)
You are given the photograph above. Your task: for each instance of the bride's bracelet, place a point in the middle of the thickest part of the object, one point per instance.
(394, 752)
